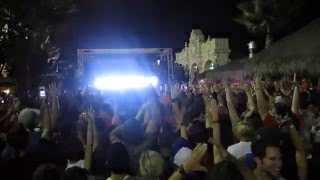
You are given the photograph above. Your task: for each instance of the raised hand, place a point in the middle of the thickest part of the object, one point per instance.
(246, 87)
(216, 88)
(89, 115)
(16, 105)
(205, 89)
(179, 113)
(212, 105)
(194, 161)
(175, 91)
(53, 90)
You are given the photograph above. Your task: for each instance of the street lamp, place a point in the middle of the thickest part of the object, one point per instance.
(251, 47)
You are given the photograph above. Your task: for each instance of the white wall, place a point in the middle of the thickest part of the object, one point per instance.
(199, 50)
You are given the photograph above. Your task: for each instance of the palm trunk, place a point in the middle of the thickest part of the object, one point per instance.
(269, 39)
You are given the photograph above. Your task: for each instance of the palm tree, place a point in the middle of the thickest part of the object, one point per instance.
(26, 32)
(268, 17)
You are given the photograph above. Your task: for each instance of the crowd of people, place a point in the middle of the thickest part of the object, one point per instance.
(264, 129)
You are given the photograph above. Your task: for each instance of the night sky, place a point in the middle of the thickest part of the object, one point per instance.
(151, 24)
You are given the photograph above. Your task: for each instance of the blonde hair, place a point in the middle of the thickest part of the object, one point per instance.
(244, 130)
(151, 165)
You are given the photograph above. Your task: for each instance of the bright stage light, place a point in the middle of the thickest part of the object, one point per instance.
(124, 82)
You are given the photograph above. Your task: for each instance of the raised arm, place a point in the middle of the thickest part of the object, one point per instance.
(179, 115)
(283, 90)
(232, 110)
(212, 110)
(89, 116)
(301, 159)
(295, 98)
(261, 101)
(251, 103)
(193, 163)
(142, 111)
(46, 120)
(53, 92)
(115, 134)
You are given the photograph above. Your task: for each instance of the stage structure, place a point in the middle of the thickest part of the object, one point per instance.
(165, 55)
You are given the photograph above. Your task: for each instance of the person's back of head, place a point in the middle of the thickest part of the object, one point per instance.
(132, 133)
(166, 137)
(118, 159)
(106, 108)
(28, 118)
(151, 165)
(304, 100)
(255, 121)
(165, 140)
(75, 173)
(18, 137)
(67, 129)
(244, 131)
(74, 150)
(47, 172)
(197, 133)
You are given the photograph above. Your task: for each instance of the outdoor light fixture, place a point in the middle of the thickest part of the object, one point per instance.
(125, 82)
(252, 45)
(211, 67)
(7, 91)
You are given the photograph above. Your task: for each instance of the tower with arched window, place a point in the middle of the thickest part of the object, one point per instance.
(204, 53)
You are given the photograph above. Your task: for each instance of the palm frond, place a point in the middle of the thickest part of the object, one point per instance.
(247, 9)
(268, 16)
(248, 24)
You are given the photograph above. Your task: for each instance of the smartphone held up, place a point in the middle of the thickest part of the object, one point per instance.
(42, 92)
